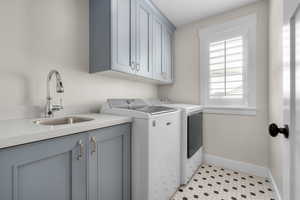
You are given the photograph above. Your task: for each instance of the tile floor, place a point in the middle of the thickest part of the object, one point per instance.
(216, 183)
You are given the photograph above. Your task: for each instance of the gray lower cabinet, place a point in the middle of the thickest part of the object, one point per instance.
(109, 164)
(69, 168)
(52, 169)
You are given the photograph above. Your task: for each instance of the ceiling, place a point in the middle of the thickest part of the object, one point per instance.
(185, 11)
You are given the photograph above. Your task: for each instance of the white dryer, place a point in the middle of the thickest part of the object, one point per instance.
(155, 147)
(191, 138)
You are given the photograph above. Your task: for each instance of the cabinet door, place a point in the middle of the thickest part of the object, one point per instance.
(167, 70)
(133, 28)
(144, 36)
(52, 169)
(157, 48)
(109, 163)
(121, 35)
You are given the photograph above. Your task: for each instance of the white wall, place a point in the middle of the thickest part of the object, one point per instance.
(242, 138)
(40, 35)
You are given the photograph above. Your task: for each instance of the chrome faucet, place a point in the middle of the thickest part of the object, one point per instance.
(50, 108)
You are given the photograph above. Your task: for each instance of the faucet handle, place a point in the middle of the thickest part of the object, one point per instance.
(56, 107)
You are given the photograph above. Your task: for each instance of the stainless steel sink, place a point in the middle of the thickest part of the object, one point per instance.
(62, 121)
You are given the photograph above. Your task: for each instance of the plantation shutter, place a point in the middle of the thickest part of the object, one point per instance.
(226, 69)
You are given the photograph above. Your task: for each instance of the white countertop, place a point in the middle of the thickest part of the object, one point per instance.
(17, 132)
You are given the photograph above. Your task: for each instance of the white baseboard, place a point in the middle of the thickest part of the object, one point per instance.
(237, 165)
(277, 193)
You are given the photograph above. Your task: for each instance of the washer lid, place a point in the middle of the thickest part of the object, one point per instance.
(186, 107)
(154, 110)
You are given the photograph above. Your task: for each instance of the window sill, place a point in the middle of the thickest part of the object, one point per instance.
(250, 111)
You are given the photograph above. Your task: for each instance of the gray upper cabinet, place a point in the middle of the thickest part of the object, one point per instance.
(162, 51)
(157, 49)
(167, 54)
(110, 35)
(131, 36)
(143, 40)
(52, 169)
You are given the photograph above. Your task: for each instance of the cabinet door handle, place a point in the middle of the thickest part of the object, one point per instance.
(164, 75)
(133, 66)
(138, 67)
(94, 144)
(154, 123)
(80, 144)
(169, 123)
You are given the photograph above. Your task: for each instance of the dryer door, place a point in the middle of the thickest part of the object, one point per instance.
(194, 139)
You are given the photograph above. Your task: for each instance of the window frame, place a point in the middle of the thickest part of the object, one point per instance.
(245, 27)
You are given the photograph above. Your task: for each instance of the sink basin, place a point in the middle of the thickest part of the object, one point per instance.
(62, 121)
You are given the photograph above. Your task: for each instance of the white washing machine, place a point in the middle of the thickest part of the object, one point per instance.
(155, 147)
(191, 138)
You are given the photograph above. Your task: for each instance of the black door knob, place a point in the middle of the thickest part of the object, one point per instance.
(274, 130)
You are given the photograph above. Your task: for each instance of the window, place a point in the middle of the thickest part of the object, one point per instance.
(227, 64)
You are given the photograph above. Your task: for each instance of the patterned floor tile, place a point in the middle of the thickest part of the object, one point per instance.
(216, 183)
